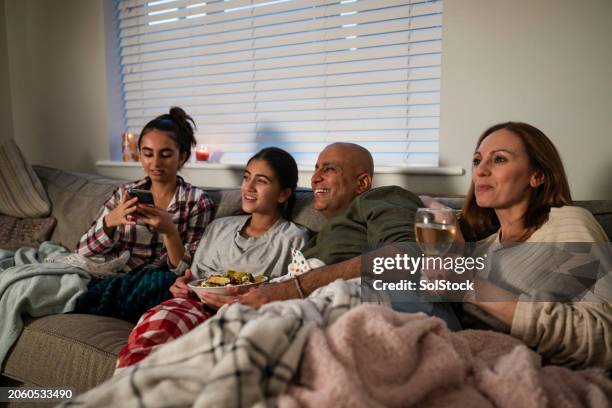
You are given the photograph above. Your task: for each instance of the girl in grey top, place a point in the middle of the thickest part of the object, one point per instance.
(225, 246)
(259, 243)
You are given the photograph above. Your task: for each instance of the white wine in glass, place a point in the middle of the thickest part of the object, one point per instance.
(435, 230)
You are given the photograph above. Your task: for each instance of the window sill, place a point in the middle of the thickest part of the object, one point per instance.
(420, 171)
(218, 175)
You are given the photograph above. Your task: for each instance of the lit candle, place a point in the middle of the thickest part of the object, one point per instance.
(133, 147)
(201, 153)
(129, 150)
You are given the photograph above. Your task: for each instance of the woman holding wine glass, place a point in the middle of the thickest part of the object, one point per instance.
(519, 187)
(519, 194)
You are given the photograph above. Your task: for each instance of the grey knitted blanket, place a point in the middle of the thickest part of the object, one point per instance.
(28, 285)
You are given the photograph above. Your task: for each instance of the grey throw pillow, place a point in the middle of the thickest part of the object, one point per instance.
(21, 192)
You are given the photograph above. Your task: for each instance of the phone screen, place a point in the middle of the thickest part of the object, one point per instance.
(144, 196)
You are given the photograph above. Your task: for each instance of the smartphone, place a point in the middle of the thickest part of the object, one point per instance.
(144, 196)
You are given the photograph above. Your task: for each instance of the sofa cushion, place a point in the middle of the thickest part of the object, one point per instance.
(305, 214)
(76, 199)
(227, 202)
(19, 232)
(602, 210)
(67, 350)
(21, 193)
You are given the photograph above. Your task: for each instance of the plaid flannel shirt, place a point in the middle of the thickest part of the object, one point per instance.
(190, 208)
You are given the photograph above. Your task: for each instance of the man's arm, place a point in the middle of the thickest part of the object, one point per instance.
(309, 282)
(314, 279)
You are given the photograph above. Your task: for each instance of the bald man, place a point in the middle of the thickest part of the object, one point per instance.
(343, 171)
(359, 218)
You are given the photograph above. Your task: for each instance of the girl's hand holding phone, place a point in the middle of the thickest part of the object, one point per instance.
(156, 219)
(121, 215)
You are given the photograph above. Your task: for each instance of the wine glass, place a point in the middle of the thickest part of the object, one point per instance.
(435, 230)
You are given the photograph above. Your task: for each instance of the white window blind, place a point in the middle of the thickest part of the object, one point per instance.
(297, 74)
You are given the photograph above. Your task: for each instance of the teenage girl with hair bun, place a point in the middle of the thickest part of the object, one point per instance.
(162, 239)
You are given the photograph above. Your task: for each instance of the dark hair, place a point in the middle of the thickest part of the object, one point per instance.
(286, 171)
(553, 192)
(176, 125)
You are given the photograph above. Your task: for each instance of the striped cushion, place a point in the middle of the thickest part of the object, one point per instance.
(21, 193)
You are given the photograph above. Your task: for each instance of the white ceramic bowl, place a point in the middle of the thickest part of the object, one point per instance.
(221, 290)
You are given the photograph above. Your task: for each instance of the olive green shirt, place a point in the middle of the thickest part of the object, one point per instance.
(379, 216)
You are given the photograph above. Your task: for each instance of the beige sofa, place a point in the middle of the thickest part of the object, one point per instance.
(79, 351)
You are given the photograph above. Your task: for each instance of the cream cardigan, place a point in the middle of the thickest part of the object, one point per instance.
(577, 333)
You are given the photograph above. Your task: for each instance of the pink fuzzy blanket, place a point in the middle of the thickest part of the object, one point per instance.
(374, 357)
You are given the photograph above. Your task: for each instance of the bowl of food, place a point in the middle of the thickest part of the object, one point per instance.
(239, 282)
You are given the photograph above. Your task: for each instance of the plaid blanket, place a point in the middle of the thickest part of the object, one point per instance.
(239, 357)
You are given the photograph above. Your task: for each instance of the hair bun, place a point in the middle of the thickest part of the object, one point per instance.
(178, 125)
(182, 119)
(178, 114)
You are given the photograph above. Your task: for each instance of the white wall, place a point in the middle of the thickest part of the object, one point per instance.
(546, 62)
(58, 81)
(6, 113)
